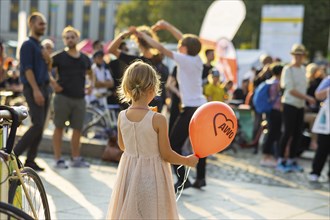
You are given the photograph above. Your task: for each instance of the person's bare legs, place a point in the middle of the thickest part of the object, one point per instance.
(57, 143)
(75, 143)
(77, 160)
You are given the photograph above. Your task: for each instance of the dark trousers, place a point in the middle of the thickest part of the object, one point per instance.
(178, 136)
(31, 139)
(293, 119)
(321, 155)
(174, 111)
(274, 124)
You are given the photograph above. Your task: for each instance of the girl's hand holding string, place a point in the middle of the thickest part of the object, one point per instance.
(192, 160)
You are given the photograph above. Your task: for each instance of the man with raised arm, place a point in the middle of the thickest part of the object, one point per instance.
(189, 76)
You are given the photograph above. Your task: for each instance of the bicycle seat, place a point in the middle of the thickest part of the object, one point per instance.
(22, 112)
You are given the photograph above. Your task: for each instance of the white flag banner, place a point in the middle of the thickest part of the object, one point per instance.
(222, 20)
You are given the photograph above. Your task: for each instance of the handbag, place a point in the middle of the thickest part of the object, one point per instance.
(112, 151)
(322, 121)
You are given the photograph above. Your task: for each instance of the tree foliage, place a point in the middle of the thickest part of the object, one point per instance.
(188, 16)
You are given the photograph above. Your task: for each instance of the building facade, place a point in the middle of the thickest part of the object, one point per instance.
(95, 19)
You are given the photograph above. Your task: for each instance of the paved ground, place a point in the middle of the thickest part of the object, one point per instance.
(237, 188)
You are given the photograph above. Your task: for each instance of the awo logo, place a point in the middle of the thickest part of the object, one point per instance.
(226, 127)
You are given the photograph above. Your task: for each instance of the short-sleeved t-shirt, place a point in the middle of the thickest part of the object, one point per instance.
(293, 78)
(189, 77)
(216, 92)
(31, 58)
(72, 73)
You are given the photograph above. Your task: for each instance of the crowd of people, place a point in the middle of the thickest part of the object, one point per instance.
(69, 79)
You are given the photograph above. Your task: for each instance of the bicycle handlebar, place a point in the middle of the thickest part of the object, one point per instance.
(16, 115)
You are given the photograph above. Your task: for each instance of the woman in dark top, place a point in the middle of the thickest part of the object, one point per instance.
(148, 55)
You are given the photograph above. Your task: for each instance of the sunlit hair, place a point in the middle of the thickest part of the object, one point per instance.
(192, 43)
(33, 17)
(70, 29)
(46, 42)
(143, 45)
(138, 79)
(311, 70)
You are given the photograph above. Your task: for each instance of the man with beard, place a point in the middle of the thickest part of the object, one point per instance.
(34, 62)
(69, 101)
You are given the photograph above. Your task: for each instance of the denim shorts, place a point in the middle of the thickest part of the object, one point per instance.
(69, 109)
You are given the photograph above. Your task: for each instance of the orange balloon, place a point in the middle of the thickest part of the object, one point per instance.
(212, 128)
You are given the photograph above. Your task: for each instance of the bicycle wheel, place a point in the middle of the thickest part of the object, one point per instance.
(94, 124)
(36, 192)
(10, 212)
(95, 131)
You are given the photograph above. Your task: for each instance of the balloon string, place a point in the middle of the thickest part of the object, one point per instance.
(179, 190)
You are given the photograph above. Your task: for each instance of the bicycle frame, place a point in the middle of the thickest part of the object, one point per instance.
(10, 160)
(13, 166)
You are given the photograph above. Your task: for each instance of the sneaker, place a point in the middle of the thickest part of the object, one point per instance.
(60, 164)
(313, 177)
(33, 165)
(295, 167)
(283, 167)
(79, 162)
(267, 163)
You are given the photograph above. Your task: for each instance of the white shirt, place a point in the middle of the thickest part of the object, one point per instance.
(101, 74)
(189, 76)
(293, 78)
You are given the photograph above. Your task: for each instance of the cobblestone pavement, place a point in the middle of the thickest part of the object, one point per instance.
(244, 166)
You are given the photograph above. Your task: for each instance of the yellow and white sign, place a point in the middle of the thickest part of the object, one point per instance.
(281, 27)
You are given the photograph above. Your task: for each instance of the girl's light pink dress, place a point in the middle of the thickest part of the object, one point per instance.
(144, 185)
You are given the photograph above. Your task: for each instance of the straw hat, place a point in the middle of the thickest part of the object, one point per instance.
(298, 49)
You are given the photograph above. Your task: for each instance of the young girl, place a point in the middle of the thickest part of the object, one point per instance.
(144, 185)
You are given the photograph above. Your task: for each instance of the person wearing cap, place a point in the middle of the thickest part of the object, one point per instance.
(294, 83)
(103, 80)
(213, 90)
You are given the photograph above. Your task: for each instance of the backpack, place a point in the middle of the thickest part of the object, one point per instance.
(261, 99)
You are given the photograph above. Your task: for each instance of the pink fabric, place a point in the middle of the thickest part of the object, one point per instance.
(275, 95)
(144, 185)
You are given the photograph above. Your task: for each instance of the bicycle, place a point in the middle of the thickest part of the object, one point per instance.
(8, 211)
(100, 119)
(24, 186)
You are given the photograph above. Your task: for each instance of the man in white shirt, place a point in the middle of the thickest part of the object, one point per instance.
(189, 76)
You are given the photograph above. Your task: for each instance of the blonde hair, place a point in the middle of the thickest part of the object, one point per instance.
(47, 42)
(311, 70)
(142, 43)
(138, 79)
(70, 29)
